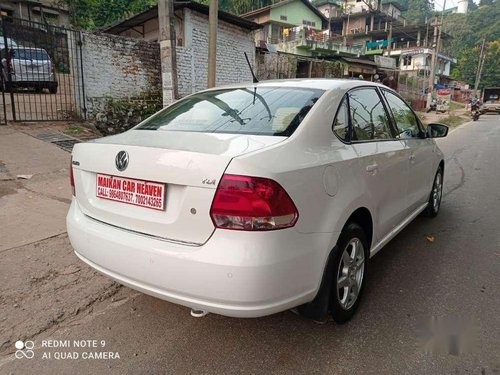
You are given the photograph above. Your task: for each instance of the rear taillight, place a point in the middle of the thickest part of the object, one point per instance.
(72, 178)
(252, 204)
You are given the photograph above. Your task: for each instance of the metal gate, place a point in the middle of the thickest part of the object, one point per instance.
(41, 72)
(3, 110)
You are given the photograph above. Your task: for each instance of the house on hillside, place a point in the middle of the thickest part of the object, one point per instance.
(279, 18)
(300, 34)
(235, 36)
(329, 8)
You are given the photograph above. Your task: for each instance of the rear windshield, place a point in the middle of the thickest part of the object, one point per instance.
(254, 110)
(30, 54)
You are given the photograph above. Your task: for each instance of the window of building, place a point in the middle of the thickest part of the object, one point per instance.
(308, 23)
(283, 18)
(406, 60)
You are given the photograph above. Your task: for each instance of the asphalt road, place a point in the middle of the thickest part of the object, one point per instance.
(445, 269)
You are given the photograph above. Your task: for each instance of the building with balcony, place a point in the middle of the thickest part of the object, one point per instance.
(417, 61)
(329, 8)
(279, 19)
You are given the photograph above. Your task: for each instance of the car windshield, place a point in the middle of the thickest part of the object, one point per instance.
(10, 42)
(254, 110)
(30, 54)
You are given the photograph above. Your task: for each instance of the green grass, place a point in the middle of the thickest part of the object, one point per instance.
(456, 105)
(453, 121)
(74, 129)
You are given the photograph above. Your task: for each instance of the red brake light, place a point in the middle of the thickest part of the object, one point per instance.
(71, 177)
(252, 204)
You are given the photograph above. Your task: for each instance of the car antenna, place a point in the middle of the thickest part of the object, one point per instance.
(255, 80)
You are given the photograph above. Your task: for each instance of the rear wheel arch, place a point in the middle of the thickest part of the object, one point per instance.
(441, 165)
(318, 308)
(363, 218)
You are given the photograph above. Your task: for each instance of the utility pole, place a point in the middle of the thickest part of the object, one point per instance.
(433, 65)
(212, 43)
(167, 51)
(435, 53)
(480, 65)
(389, 37)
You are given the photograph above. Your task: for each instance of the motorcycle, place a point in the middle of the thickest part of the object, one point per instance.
(475, 113)
(432, 106)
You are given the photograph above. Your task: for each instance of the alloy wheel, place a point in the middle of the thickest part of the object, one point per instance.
(350, 273)
(437, 191)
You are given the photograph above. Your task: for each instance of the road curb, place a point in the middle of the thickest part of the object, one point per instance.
(459, 127)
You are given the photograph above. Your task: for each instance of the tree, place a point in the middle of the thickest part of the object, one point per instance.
(468, 31)
(240, 6)
(419, 10)
(90, 14)
(491, 69)
(468, 64)
(471, 5)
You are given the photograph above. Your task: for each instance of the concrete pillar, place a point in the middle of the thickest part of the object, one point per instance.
(188, 44)
(167, 51)
(418, 38)
(372, 19)
(75, 68)
(213, 21)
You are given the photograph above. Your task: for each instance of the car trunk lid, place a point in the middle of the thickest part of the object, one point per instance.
(188, 166)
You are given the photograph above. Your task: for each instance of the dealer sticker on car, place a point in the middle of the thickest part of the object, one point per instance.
(136, 192)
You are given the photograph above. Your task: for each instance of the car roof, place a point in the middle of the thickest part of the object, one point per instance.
(326, 84)
(28, 48)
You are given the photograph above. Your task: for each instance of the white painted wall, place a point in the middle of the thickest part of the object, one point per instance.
(119, 68)
(462, 6)
(192, 58)
(418, 62)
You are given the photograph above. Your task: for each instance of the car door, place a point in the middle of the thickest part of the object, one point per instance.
(381, 156)
(419, 150)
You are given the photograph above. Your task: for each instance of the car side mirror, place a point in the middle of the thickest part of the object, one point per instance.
(437, 131)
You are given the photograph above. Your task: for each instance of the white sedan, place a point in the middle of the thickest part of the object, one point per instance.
(253, 199)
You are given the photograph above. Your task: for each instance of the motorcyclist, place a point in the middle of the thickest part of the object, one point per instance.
(475, 108)
(432, 105)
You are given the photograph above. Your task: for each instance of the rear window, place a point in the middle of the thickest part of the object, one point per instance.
(30, 54)
(260, 111)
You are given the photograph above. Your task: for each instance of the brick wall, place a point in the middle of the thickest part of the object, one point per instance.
(119, 68)
(192, 59)
(275, 66)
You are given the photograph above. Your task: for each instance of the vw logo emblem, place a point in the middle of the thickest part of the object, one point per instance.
(121, 160)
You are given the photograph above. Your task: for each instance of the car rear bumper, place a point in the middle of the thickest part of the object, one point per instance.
(21, 83)
(486, 109)
(239, 274)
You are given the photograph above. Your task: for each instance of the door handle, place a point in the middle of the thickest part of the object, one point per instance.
(372, 168)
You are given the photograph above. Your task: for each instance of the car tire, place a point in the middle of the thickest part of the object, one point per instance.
(349, 266)
(436, 195)
(6, 86)
(53, 89)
